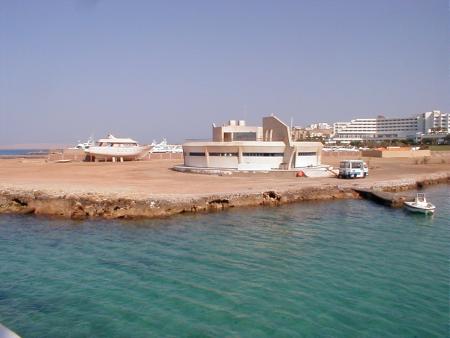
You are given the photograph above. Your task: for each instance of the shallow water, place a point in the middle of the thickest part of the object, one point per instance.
(333, 269)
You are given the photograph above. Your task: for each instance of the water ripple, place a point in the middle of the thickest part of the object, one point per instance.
(344, 268)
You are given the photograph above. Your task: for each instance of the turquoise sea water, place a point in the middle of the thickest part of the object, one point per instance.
(328, 269)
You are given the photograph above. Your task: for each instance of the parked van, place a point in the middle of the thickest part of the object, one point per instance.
(353, 169)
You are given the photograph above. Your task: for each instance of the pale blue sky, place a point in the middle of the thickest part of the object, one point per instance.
(149, 69)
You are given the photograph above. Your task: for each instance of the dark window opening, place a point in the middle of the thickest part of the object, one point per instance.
(223, 154)
(264, 154)
(244, 136)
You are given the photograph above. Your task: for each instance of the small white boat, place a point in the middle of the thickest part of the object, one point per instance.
(117, 149)
(420, 205)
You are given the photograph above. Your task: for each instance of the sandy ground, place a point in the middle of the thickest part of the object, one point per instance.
(155, 178)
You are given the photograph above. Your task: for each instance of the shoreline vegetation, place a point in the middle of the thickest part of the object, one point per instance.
(149, 189)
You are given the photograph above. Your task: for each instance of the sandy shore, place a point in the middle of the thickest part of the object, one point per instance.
(152, 189)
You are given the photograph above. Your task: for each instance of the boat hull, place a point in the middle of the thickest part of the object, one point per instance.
(419, 209)
(118, 153)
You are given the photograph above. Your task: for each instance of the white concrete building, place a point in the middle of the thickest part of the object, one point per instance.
(381, 128)
(241, 147)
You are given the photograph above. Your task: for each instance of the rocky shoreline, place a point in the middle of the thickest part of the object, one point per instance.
(94, 205)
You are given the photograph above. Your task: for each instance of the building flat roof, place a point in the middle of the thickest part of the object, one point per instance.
(248, 143)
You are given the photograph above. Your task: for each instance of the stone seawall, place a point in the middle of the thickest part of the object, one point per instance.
(92, 205)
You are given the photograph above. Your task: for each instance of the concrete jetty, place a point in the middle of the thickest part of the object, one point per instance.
(394, 200)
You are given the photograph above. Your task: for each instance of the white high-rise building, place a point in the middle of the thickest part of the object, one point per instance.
(433, 122)
(381, 128)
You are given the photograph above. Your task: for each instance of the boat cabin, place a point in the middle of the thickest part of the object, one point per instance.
(112, 141)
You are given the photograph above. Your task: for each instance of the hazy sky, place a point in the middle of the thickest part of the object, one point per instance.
(148, 69)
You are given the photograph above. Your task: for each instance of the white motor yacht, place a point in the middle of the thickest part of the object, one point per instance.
(164, 147)
(117, 149)
(85, 145)
(420, 205)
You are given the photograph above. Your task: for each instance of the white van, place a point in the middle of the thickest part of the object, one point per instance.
(353, 169)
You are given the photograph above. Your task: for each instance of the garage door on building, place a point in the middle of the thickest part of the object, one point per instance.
(305, 159)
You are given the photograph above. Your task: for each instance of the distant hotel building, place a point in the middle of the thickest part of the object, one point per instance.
(321, 130)
(241, 147)
(431, 124)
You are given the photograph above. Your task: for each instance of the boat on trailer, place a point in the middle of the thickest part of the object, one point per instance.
(420, 205)
(117, 149)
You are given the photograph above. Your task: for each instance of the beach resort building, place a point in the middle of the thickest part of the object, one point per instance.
(382, 128)
(241, 147)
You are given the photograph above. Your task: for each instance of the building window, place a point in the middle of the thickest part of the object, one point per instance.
(223, 154)
(264, 154)
(307, 153)
(196, 154)
(244, 136)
